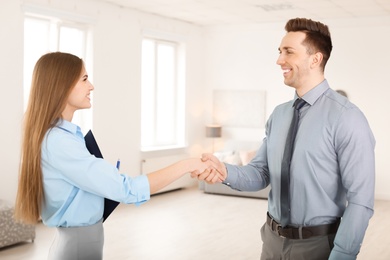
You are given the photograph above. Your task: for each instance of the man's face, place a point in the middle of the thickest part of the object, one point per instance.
(294, 60)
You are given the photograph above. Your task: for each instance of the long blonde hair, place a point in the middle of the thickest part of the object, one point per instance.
(55, 74)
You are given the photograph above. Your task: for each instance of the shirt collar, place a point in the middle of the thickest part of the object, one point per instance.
(68, 126)
(312, 96)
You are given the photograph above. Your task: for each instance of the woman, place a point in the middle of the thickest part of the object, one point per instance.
(60, 181)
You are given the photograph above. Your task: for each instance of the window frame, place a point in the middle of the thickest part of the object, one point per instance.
(180, 140)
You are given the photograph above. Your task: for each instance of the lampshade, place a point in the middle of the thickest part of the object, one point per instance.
(213, 131)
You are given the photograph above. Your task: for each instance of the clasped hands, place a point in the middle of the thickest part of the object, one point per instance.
(213, 170)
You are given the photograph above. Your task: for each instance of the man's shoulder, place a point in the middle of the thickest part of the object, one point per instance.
(338, 100)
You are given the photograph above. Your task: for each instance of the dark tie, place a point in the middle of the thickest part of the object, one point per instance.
(285, 172)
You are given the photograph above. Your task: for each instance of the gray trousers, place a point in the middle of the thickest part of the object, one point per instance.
(78, 243)
(279, 248)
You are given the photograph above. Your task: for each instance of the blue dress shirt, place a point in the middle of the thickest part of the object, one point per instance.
(76, 182)
(332, 168)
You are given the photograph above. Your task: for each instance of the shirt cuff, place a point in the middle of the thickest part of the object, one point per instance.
(336, 255)
(141, 185)
(230, 178)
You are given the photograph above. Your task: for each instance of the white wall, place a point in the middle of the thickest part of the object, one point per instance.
(245, 58)
(11, 89)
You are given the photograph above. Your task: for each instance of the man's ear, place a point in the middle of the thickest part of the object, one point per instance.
(316, 60)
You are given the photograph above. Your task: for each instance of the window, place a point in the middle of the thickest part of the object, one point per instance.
(45, 34)
(162, 95)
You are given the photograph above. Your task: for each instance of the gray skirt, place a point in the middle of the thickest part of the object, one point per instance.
(78, 243)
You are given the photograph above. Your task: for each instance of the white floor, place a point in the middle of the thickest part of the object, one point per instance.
(189, 224)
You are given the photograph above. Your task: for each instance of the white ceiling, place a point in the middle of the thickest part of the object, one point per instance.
(222, 12)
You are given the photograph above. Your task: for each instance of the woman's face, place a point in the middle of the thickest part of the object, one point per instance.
(79, 97)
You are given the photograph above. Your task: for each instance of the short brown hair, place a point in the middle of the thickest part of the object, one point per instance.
(317, 36)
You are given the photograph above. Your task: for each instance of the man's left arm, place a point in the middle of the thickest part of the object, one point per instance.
(354, 143)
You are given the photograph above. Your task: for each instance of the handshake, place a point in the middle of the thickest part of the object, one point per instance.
(209, 169)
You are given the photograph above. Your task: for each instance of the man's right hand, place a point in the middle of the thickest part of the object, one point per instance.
(213, 175)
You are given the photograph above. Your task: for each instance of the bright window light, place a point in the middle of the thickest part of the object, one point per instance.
(162, 116)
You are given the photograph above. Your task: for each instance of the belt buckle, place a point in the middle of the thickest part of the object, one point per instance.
(278, 228)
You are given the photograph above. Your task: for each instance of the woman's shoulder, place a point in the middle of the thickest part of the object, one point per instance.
(62, 134)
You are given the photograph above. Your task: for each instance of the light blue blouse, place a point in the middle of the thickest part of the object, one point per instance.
(76, 182)
(332, 168)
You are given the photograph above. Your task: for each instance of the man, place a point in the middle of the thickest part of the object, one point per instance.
(332, 168)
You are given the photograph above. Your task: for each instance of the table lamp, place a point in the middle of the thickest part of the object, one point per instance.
(213, 131)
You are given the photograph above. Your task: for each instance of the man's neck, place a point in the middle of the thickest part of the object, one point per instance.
(309, 85)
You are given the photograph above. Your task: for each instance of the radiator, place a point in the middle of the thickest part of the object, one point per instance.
(149, 165)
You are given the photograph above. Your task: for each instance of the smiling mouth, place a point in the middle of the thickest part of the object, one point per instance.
(286, 71)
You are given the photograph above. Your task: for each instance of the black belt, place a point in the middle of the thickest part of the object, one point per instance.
(302, 232)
